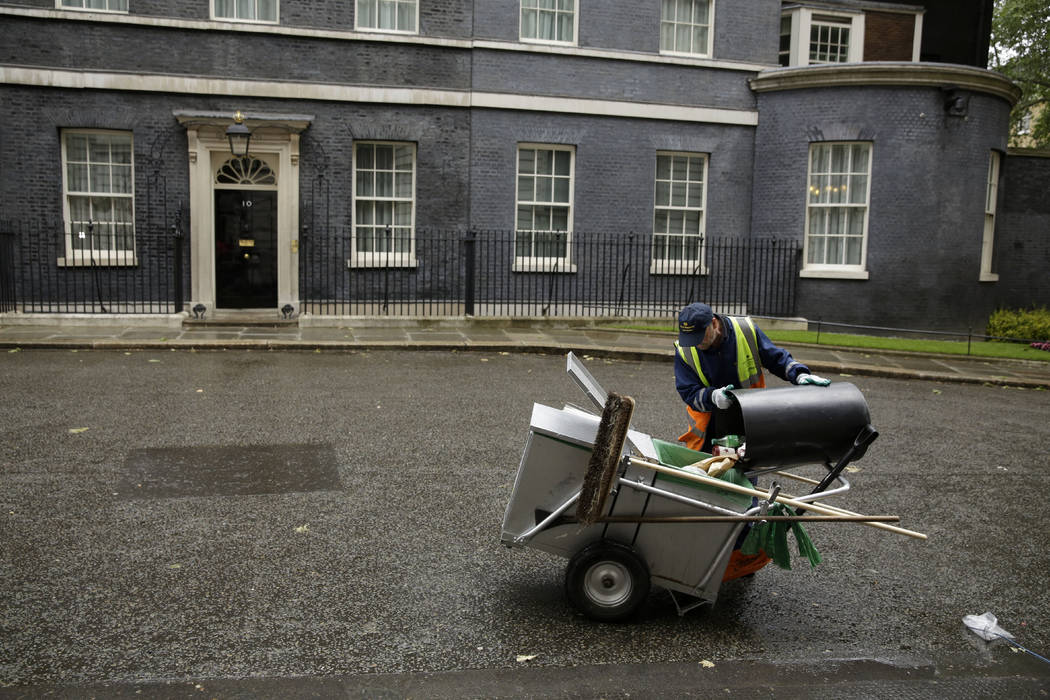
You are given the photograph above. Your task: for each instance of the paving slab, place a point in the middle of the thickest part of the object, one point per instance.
(537, 335)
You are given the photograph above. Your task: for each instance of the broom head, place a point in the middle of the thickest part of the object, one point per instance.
(605, 457)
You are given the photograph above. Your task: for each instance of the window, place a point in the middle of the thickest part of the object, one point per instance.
(387, 15)
(544, 214)
(246, 10)
(98, 179)
(990, 198)
(549, 20)
(829, 40)
(102, 5)
(678, 220)
(809, 37)
(384, 204)
(685, 27)
(837, 208)
(784, 55)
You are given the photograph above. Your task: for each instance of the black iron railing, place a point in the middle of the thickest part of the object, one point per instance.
(8, 247)
(89, 268)
(52, 267)
(482, 273)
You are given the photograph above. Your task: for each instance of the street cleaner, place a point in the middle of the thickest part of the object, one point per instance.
(713, 355)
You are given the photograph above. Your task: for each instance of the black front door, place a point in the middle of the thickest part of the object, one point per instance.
(245, 249)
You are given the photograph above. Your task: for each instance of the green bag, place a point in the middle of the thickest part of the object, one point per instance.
(771, 538)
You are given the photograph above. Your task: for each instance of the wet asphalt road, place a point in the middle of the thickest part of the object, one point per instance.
(373, 568)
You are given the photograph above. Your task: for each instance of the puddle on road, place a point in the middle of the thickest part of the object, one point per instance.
(174, 472)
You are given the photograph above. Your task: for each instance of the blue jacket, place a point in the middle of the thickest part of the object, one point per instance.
(719, 366)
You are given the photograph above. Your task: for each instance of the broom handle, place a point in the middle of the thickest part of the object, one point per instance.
(726, 486)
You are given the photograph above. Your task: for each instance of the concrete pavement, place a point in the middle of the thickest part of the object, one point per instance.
(500, 335)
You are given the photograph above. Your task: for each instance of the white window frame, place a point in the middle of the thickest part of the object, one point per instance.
(815, 183)
(386, 30)
(276, 14)
(802, 20)
(386, 258)
(80, 6)
(683, 265)
(534, 263)
(109, 256)
(991, 198)
(533, 5)
(707, 49)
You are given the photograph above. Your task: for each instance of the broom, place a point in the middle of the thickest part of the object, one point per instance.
(605, 456)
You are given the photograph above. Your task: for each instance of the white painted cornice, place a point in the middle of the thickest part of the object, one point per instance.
(846, 75)
(242, 88)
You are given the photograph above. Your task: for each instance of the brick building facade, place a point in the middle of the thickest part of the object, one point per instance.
(391, 117)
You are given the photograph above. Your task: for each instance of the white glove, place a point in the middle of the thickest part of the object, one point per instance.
(811, 379)
(722, 398)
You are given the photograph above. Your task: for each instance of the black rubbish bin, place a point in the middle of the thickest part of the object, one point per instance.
(801, 424)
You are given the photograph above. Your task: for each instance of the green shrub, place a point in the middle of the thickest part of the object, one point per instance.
(1020, 324)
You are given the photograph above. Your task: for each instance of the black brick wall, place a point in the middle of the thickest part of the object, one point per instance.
(38, 42)
(926, 212)
(568, 76)
(745, 30)
(1022, 246)
(615, 168)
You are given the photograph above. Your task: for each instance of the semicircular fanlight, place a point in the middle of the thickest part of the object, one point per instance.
(245, 171)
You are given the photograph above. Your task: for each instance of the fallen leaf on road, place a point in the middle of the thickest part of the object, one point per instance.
(707, 664)
(77, 430)
(522, 658)
(303, 528)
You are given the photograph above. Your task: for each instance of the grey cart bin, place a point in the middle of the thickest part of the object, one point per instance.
(656, 517)
(689, 560)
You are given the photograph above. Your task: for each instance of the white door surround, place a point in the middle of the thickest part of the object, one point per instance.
(275, 140)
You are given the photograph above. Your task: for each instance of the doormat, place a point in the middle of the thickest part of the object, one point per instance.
(173, 472)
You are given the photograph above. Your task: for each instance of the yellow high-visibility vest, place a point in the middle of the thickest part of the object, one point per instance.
(749, 374)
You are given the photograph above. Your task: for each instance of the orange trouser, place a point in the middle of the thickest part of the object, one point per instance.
(743, 564)
(695, 436)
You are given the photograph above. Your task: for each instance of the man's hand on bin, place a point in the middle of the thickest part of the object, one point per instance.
(722, 398)
(804, 379)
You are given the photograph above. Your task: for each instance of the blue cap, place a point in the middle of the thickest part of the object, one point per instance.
(693, 321)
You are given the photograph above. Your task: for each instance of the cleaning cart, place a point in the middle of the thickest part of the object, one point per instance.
(630, 511)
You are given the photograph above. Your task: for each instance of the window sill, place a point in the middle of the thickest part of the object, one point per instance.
(93, 9)
(684, 54)
(558, 265)
(395, 261)
(377, 30)
(989, 277)
(677, 267)
(118, 260)
(547, 42)
(835, 274)
(232, 20)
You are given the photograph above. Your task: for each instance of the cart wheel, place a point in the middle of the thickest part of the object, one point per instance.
(607, 581)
